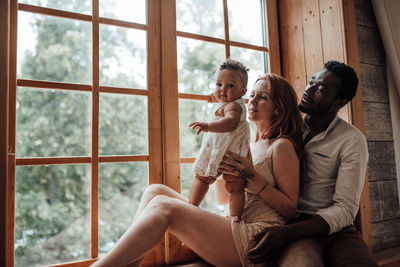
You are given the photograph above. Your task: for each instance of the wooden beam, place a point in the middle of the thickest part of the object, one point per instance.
(170, 110)
(53, 12)
(273, 37)
(95, 133)
(12, 101)
(363, 220)
(226, 28)
(4, 56)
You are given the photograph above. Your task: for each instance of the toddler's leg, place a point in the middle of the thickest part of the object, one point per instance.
(199, 189)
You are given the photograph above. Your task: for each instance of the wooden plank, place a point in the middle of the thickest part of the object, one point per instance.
(4, 55)
(226, 28)
(388, 256)
(170, 121)
(386, 234)
(126, 91)
(188, 160)
(384, 200)
(193, 96)
(126, 158)
(121, 23)
(12, 101)
(83, 263)
(54, 85)
(378, 123)
(52, 161)
(370, 46)
(332, 30)
(292, 42)
(374, 83)
(200, 37)
(356, 114)
(273, 37)
(249, 46)
(381, 164)
(313, 51)
(54, 12)
(95, 133)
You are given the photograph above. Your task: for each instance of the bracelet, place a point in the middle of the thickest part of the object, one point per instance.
(262, 189)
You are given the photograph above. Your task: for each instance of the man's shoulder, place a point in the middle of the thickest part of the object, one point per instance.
(348, 131)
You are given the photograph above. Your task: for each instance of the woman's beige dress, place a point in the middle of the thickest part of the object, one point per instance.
(257, 214)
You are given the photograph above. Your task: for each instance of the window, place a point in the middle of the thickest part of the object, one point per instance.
(95, 118)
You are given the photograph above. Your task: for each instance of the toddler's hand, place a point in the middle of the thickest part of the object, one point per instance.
(199, 126)
(212, 98)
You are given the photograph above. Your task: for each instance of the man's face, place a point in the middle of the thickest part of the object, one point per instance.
(320, 93)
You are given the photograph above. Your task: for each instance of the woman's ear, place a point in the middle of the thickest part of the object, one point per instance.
(276, 112)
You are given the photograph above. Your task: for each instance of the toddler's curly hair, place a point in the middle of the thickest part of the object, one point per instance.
(231, 64)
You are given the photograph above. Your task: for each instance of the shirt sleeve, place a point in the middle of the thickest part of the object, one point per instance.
(349, 184)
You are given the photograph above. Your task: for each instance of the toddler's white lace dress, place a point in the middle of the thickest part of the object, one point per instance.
(215, 145)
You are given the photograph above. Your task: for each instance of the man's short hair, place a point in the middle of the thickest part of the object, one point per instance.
(239, 67)
(349, 79)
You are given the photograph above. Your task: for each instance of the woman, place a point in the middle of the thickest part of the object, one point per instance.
(271, 193)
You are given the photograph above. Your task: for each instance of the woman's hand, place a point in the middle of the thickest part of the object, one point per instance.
(199, 126)
(237, 165)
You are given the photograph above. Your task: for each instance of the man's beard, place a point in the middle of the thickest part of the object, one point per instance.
(313, 112)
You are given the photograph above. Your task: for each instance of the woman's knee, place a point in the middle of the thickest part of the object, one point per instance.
(154, 190)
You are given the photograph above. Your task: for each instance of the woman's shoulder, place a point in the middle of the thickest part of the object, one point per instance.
(283, 144)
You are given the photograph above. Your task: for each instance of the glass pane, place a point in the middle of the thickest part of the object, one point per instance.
(52, 214)
(245, 21)
(123, 125)
(123, 57)
(53, 123)
(54, 49)
(203, 17)
(210, 200)
(78, 6)
(252, 59)
(191, 110)
(197, 63)
(128, 10)
(121, 185)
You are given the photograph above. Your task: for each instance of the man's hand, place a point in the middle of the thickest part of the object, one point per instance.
(268, 244)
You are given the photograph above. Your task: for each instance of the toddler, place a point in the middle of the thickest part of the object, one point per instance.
(227, 131)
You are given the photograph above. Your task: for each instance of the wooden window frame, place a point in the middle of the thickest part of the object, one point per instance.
(164, 164)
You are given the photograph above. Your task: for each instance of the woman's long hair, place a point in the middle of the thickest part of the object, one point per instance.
(288, 121)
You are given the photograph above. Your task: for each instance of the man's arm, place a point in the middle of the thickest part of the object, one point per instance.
(349, 184)
(272, 240)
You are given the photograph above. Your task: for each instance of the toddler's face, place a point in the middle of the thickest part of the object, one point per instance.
(229, 86)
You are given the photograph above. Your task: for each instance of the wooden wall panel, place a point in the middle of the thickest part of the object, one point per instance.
(312, 33)
(313, 51)
(378, 123)
(384, 200)
(386, 234)
(374, 83)
(292, 44)
(381, 165)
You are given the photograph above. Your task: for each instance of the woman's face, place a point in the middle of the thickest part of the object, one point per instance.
(260, 107)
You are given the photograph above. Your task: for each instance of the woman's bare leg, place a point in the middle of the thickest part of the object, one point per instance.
(192, 225)
(151, 192)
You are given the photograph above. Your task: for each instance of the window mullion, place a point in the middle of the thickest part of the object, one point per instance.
(95, 132)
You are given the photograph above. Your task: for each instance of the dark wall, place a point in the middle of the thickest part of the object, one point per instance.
(385, 210)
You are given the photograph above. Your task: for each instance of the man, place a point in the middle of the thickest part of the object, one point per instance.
(336, 153)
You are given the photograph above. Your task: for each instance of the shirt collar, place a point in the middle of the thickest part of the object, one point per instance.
(322, 134)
